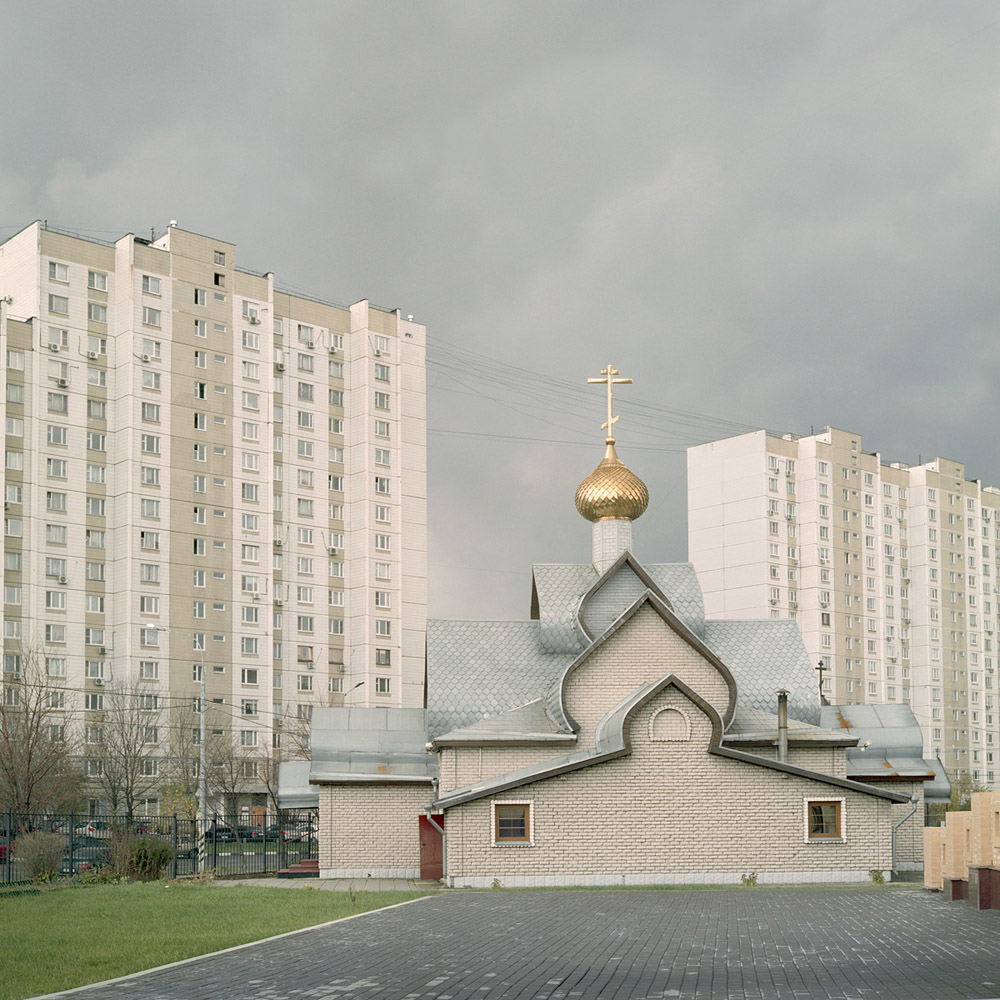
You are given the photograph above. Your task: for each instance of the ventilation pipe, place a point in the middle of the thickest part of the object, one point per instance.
(783, 726)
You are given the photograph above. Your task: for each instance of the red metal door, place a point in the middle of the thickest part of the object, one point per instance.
(431, 849)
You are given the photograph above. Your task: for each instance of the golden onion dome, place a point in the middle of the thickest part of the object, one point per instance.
(612, 491)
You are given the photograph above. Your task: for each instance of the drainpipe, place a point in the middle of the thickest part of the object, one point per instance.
(913, 799)
(444, 837)
(783, 726)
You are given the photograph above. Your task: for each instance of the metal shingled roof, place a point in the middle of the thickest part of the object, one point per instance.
(767, 656)
(561, 586)
(476, 669)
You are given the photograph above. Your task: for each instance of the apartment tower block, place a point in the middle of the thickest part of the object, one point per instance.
(892, 572)
(203, 469)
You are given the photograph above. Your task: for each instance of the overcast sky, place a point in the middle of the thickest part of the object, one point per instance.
(777, 214)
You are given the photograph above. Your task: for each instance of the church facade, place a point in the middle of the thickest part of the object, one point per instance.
(616, 737)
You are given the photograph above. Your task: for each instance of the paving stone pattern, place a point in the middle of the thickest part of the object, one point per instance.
(616, 945)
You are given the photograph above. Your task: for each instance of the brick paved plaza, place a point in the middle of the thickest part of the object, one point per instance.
(616, 945)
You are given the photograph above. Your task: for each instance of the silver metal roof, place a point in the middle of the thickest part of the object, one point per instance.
(560, 587)
(478, 669)
(767, 656)
(895, 746)
(752, 724)
(294, 790)
(362, 744)
(528, 723)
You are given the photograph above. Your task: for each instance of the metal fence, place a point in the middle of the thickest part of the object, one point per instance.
(229, 845)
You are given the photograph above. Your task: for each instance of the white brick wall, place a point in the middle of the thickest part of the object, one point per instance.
(645, 650)
(370, 830)
(669, 812)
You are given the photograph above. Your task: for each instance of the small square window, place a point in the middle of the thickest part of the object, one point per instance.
(511, 822)
(824, 819)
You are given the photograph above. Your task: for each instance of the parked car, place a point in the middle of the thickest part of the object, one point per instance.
(4, 842)
(94, 828)
(86, 852)
(288, 832)
(220, 833)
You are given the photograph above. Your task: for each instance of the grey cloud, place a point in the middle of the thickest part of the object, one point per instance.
(773, 214)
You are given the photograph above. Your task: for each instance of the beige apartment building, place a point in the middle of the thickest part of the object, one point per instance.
(205, 473)
(891, 571)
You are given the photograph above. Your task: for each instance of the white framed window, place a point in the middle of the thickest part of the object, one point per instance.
(824, 820)
(59, 304)
(511, 823)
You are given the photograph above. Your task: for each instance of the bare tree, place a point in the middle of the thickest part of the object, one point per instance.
(130, 729)
(179, 792)
(232, 771)
(290, 742)
(38, 767)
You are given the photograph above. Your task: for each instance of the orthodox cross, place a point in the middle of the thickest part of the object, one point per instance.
(821, 669)
(608, 376)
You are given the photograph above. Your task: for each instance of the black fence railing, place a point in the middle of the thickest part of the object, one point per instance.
(225, 845)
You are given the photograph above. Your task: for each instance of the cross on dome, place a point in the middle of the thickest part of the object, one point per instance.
(612, 492)
(608, 376)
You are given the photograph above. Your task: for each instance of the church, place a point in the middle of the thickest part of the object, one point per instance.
(616, 737)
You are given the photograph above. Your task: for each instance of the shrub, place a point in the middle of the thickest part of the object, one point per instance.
(749, 880)
(101, 875)
(41, 855)
(140, 858)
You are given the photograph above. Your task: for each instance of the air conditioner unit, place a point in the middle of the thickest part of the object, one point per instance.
(332, 349)
(99, 681)
(254, 319)
(310, 665)
(824, 604)
(334, 550)
(788, 517)
(279, 542)
(54, 348)
(773, 600)
(146, 358)
(341, 668)
(102, 650)
(824, 562)
(310, 344)
(256, 596)
(62, 382)
(788, 472)
(63, 579)
(279, 603)
(92, 355)
(279, 366)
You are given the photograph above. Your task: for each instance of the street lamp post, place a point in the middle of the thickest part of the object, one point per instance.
(202, 769)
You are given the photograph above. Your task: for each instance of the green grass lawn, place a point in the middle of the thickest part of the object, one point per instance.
(71, 935)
